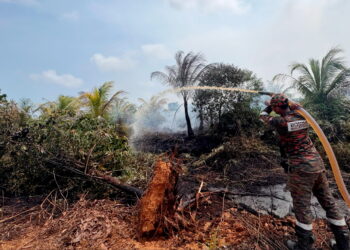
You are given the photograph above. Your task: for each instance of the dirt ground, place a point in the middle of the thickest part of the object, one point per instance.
(214, 223)
(211, 222)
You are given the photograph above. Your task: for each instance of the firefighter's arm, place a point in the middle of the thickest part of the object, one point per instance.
(265, 115)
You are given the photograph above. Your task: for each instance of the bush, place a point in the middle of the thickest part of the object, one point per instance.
(28, 152)
(342, 152)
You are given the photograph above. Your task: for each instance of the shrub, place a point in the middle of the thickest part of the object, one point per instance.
(28, 152)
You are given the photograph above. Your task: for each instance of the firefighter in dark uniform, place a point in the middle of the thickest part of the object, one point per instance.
(306, 174)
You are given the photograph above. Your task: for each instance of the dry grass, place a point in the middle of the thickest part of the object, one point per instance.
(106, 224)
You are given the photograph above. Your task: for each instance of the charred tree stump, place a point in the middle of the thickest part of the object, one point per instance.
(159, 200)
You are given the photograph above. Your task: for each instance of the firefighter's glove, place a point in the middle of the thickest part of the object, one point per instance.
(267, 110)
(284, 164)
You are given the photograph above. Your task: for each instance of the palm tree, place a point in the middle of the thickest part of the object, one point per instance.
(150, 112)
(319, 82)
(67, 104)
(123, 111)
(148, 116)
(186, 72)
(122, 114)
(48, 108)
(26, 106)
(63, 105)
(97, 100)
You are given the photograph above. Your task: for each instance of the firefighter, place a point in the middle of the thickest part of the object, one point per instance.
(306, 174)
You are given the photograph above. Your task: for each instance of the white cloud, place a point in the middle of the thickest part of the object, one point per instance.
(298, 30)
(236, 6)
(51, 76)
(21, 2)
(158, 51)
(111, 63)
(71, 16)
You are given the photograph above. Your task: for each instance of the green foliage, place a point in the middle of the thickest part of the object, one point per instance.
(333, 110)
(83, 142)
(342, 152)
(323, 84)
(213, 241)
(98, 101)
(227, 110)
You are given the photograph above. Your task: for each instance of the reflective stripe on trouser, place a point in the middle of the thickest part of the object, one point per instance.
(304, 226)
(302, 185)
(338, 223)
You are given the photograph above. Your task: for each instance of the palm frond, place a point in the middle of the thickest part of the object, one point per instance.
(160, 76)
(338, 81)
(104, 90)
(316, 72)
(111, 100)
(303, 70)
(331, 65)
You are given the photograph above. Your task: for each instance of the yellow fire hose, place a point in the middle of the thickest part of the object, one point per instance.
(330, 154)
(327, 147)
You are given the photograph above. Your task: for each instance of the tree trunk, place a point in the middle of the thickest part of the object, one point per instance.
(188, 121)
(201, 119)
(157, 205)
(219, 116)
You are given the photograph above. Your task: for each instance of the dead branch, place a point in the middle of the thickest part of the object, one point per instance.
(98, 175)
(116, 183)
(19, 214)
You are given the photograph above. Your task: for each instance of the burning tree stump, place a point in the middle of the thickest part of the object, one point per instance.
(158, 202)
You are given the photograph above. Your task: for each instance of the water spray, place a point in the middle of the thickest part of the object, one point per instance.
(325, 143)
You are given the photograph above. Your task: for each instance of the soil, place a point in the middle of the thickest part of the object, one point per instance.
(104, 224)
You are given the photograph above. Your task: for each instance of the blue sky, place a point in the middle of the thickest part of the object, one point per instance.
(48, 48)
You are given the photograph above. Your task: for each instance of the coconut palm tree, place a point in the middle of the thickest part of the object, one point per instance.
(98, 101)
(123, 111)
(186, 72)
(67, 104)
(63, 105)
(150, 112)
(319, 82)
(46, 109)
(122, 114)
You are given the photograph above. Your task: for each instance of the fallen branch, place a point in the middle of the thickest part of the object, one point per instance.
(116, 183)
(19, 214)
(98, 175)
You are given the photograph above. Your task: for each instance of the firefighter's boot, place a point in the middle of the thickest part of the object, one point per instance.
(305, 240)
(342, 237)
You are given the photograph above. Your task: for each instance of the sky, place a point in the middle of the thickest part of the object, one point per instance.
(50, 48)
